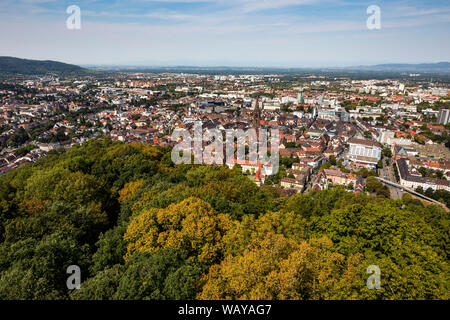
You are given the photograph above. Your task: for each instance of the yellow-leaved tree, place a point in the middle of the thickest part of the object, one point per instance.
(191, 226)
(281, 269)
(129, 190)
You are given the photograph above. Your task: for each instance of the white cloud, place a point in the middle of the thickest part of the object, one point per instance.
(239, 35)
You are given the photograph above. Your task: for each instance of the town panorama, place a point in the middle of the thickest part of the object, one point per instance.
(334, 130)
(211, 159)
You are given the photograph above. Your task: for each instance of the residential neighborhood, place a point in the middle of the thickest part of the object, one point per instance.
(332, 132)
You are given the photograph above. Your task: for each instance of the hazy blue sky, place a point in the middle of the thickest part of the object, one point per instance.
(287, 33)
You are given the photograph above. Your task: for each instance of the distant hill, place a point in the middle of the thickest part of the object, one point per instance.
(442, 68)
(11, 65)
(439, 67)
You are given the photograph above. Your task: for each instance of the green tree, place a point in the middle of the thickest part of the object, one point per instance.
(158, 275)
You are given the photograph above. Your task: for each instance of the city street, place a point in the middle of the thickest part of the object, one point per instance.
(387, 172)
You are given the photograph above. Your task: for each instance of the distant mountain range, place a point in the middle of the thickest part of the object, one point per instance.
(439, 67)
(11, 65)
(423, 68)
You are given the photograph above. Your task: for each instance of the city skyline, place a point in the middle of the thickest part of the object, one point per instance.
(286, 33)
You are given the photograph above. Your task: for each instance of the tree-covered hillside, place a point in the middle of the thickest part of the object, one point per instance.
(11, 65)
(141, 228)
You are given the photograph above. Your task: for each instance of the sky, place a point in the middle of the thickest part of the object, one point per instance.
(256, 33)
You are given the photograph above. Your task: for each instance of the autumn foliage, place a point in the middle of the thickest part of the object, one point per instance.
(190, 226)
(141, 228)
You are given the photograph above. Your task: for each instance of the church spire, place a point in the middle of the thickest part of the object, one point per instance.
(256, 116)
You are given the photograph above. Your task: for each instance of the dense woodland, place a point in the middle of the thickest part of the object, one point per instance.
(141, 228)
(11, 65)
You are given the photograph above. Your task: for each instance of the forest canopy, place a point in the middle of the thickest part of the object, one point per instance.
(141, 228)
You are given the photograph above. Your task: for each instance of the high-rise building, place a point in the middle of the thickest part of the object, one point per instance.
(320, 100)
(444, 116)
(314, 112)
(300, 99)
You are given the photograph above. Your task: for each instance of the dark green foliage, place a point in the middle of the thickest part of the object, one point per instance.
(101, 287)
(111, 249)
(160, 275)
(36, 269)
(25, 66)
(65, 210)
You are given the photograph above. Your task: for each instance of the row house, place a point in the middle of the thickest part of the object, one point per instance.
(315, 162)
(413, 182)
(297, 184)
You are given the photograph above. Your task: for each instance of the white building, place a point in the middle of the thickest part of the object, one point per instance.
(388, 137)
(444, 116)
(413, 182)
(364, 152)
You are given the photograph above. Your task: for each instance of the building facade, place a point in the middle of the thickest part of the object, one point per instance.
(365, 153)
(444, 116)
